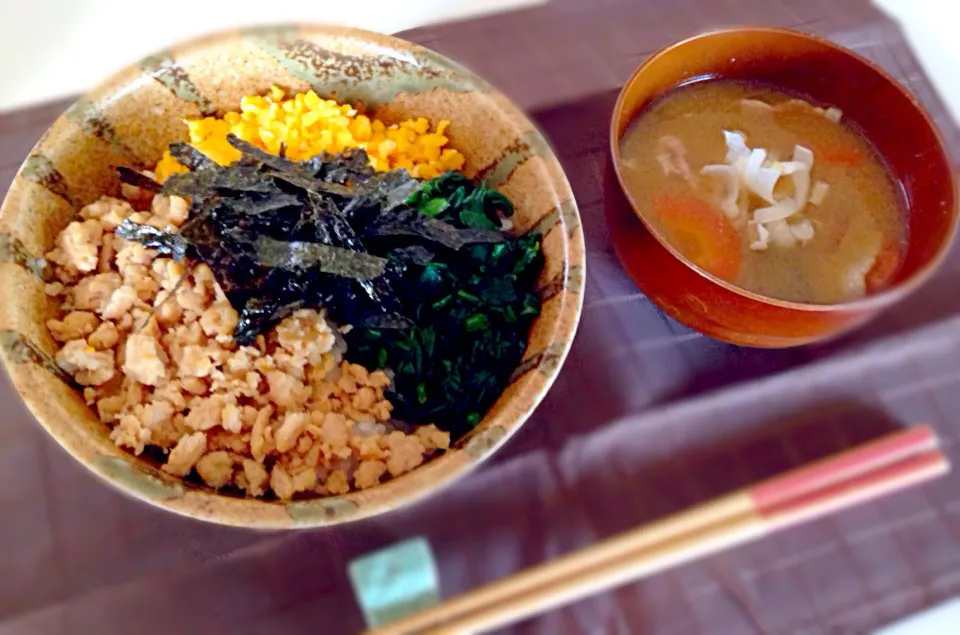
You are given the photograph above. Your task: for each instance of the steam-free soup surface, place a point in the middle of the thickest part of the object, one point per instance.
(839, 225)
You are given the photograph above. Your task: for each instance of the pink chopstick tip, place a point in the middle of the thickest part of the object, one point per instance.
(895, 477)
(850, 464)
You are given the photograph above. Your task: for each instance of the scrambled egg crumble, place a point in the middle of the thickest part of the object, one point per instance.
(306, 125)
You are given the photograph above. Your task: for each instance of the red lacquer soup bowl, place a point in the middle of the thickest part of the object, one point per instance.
(899, 128)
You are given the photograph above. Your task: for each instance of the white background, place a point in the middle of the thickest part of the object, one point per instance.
(931, 28)
(56, 48)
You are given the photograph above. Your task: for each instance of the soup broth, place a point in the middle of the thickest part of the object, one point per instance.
(770, 192)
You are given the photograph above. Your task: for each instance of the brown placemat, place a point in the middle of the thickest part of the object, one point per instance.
(646, 418)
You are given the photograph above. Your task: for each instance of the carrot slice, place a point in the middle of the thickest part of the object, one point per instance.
(849, 156)
(885, 266)
(702, 234)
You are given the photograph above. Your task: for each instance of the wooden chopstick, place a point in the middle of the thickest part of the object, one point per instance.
(689, 546)
(890, 463)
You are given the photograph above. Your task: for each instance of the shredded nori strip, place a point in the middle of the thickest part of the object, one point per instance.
(167, 243)
(414, 254)
(189, 157)
(280, 234)
(138, 179)
(302, 256)
(235, 181)
(271, 204)
(409, 222)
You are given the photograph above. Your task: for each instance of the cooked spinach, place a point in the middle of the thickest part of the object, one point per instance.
(472, 310)
(452, 197)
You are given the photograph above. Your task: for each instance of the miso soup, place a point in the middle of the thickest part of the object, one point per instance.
(771, 192)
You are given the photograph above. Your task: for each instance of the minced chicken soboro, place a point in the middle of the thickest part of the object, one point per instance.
(150, 340)
(164, 371)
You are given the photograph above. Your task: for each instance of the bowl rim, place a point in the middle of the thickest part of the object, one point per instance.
(443, 470)
(875, 300)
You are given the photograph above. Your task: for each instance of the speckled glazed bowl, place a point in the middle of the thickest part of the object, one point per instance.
(131, 118)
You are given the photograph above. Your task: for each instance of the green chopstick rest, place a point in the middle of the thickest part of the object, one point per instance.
(395, 581)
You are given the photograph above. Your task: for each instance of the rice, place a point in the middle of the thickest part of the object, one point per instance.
(150, 339)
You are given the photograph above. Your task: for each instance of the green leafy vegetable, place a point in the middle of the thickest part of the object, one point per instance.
(476, 220)
(473, 309)
(449, 196)
(434, 206)
(476, 322)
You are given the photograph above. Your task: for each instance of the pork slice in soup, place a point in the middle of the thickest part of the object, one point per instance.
(767, 191)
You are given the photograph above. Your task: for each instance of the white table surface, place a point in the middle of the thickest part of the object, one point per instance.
(931, 28)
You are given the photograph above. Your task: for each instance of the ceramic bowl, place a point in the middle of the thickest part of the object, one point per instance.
(891, 118)
(133, 116)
